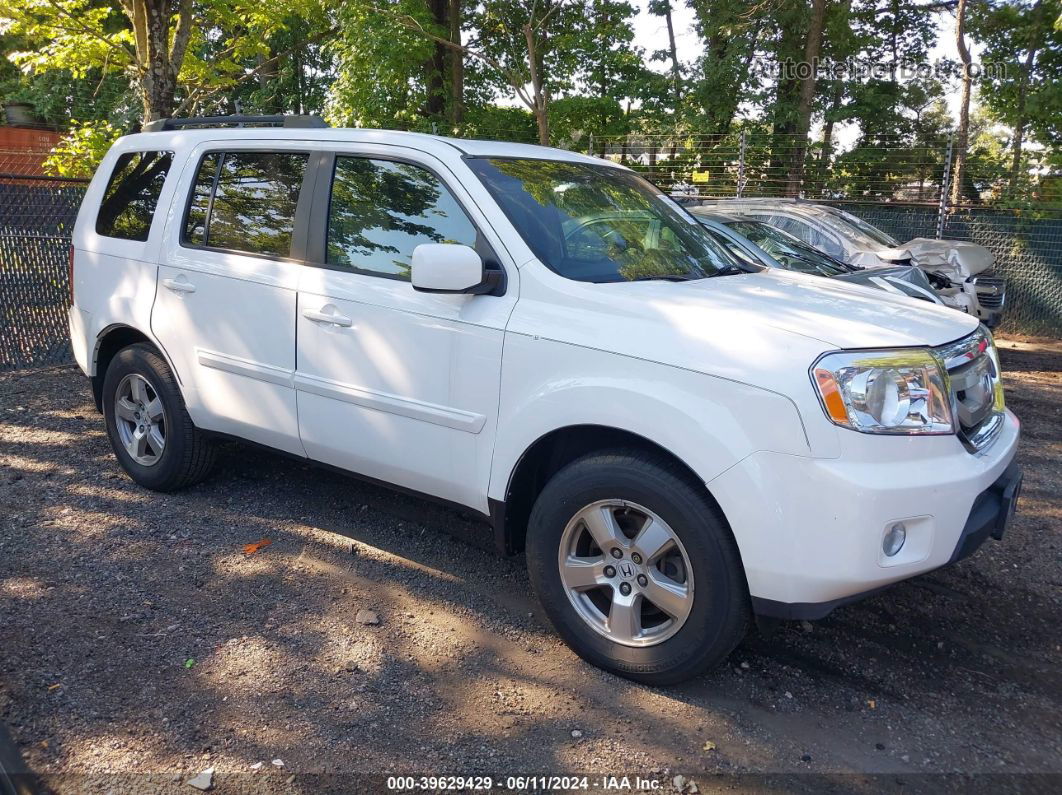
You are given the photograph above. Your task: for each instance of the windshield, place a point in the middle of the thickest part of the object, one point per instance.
(792, 252)
(857, 228)
(599, 223)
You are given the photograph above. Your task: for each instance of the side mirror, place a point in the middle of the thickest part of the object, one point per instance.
(452, 268)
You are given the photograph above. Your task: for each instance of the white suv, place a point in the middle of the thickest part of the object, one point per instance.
(678, 444)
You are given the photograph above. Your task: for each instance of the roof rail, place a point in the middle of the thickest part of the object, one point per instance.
(222, 121)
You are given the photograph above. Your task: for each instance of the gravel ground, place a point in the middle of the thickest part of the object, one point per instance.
(141, 645)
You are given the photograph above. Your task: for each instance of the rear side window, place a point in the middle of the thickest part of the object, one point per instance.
(245, 201)
(381, 210)
(132, 194)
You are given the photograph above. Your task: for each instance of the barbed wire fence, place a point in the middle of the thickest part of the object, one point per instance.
(896, 185)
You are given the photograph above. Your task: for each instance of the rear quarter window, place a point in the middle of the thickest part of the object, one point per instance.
(132, 194)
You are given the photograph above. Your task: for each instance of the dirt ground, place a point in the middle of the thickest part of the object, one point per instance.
(141, 646)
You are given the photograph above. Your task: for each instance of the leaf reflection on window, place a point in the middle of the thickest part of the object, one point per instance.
(381, 210)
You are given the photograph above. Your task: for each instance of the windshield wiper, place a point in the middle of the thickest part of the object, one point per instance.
(666, 277)
(729, 270)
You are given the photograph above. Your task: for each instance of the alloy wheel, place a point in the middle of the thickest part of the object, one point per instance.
(140, 419)
(626, 573)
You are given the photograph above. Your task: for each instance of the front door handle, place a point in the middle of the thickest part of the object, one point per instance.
(334, 318)
(179, 285)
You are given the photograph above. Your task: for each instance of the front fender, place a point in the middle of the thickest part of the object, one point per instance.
(709, 423)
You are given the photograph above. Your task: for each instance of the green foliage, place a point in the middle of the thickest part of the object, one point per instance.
(380, 64)
(81, 150)
(1009, 32)
(405, 64)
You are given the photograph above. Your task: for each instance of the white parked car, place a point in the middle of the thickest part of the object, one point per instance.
(961, 272)
(676, 443)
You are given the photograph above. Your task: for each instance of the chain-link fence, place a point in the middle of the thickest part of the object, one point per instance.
(899, 188)
(36, 219)
(898, 184)
(1026, 245)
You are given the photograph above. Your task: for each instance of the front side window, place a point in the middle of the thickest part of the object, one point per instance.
(132, 194)
(245, 201)
(381, 210)
(598, 223)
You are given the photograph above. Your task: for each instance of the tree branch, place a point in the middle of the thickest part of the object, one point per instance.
(517, 85)
(182, 36)
(122, 48)
(199, 94)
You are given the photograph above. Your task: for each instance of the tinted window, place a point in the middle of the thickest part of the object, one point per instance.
(381, 210)
(195, 223)
(808, 233)
(132, 193)
(599, 223)
(245, 201)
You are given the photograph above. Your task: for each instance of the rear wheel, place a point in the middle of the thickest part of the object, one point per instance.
(152, 435)
(636, 568)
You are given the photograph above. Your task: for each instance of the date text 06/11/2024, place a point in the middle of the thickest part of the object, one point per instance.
(522, 783)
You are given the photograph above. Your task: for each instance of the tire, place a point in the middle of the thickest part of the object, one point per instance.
(186, 455)
(716, 599)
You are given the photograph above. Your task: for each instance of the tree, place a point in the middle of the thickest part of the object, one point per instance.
(812, 49)
(175, 52)
(1022, 39)
(662, 8)
(963, 130)
(723, 75)
(386, 60)
(530, 49)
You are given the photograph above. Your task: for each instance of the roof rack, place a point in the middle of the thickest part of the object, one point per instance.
(238, 121)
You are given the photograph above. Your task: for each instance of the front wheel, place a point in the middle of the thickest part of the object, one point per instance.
(636, 568)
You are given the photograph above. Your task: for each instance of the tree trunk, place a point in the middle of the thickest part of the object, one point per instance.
(157, 80)
(827, 132)
(788, 48)
(457, 66)
(1023, 87)
(435, 66)
(962, 136)
(540, 95)
(676, 74)
(812, 48)
(157, 61)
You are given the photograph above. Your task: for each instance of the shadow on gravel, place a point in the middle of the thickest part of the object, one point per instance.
(137, 636)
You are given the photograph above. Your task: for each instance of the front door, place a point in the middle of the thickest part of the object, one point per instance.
(393, 383)
(227, 290)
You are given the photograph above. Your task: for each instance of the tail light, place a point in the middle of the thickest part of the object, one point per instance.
(70, 273)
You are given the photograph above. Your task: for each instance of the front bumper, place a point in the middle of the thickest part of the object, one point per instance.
(810, 530)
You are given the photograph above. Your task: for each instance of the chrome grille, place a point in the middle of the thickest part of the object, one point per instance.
(972, 377)
(991, 291)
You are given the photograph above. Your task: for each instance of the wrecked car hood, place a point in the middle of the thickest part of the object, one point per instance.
(952, 257)
(908, 280)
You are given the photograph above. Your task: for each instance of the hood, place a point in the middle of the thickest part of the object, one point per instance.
(953, 257)
(835, 312)
(908, 280)
(763, 329)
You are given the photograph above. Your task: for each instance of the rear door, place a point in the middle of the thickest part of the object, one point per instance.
(228, 279)
(393, 383)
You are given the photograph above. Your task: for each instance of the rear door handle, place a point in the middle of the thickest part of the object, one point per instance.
(334, 318)
(178, 285)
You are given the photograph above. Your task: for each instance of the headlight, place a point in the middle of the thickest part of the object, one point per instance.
(897, 391)
(998, 402)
